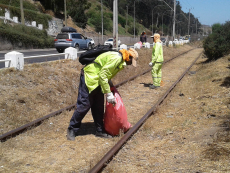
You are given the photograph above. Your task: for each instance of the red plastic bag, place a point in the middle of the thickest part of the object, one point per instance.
(115, 117)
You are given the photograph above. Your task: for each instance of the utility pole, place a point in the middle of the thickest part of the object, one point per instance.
(102, 21)
(22, 12)
(126, 19)
(152, 21)
(189, 22)
(115, 23)
(174, 19)
(196, 24)
(134, 19)
(65, 13)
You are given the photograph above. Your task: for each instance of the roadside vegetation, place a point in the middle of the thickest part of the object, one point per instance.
(217, 44)
(31, 12)
(24, 36)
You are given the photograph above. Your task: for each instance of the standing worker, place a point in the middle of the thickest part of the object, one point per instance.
(94, 83)
(143, 38)
(157, 61)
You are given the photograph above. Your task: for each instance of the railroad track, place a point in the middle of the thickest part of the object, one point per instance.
(112, 152)
(37, 122)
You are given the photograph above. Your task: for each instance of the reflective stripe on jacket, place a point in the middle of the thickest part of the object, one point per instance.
(106, 66)
(157, 53)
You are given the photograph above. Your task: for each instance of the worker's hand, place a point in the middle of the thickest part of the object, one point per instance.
(150, 64)
(110, 98)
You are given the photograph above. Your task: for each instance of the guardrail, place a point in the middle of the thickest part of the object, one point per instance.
(39, 56)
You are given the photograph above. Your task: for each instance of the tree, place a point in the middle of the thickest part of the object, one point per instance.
(55, 5)
(76, 9)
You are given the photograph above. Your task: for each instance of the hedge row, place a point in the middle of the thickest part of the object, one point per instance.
(29, 15)
(28, 37)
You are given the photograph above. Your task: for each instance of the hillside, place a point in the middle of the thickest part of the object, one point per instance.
(13, 36)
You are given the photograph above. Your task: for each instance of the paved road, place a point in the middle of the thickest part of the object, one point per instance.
(35, 52)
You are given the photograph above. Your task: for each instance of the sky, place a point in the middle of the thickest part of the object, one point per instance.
(208, 12)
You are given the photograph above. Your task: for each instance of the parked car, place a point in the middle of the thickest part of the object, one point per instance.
(69, 38)
(110, 42)
(163, 40)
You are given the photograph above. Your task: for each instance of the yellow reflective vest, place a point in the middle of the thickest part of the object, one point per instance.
(157, 53)
(106, 66)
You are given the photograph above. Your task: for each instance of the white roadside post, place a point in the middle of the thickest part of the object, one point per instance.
(15, 19)
(40, 26)
(71, 53)
(137, 45)
(170, 44)
(34, 24)
(147, 45)
(123, 46)
(16, 60)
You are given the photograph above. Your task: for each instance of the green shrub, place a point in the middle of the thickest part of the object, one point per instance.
(77, 12)
(29, 37)
(122, 21)
(131, 30)
(16, 3)
(217, 44)
(95, 19)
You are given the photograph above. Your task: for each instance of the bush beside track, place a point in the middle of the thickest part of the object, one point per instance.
(217, 44)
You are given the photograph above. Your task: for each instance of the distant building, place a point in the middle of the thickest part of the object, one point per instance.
(205, 30)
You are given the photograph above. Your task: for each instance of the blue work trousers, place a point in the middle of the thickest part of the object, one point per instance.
(85, 101)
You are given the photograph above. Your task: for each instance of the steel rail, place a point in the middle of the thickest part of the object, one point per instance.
(21, 129)
(111, 153)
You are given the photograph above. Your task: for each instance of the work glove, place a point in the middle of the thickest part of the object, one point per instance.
(150, 64)
(110, 98)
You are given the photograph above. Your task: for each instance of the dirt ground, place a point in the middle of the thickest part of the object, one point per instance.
(188, 133)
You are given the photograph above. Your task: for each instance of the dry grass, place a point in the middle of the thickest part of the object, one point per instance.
(45, 148)
(43, 88)
(190, 130)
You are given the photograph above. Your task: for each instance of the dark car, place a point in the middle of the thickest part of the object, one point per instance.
(69, 38)
(163, 40)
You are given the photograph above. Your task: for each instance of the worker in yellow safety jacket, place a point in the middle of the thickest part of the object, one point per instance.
(157, 61)
(94, 83)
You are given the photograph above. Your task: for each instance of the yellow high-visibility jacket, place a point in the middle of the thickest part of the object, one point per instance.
(106, 66)
(157, 53)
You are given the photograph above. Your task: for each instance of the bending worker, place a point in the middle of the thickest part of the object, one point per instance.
(157, 61)
(94, 83)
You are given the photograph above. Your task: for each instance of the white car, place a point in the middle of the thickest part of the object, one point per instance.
(91, 41)
(110, 42)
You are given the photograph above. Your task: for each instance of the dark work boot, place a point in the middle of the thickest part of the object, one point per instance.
(70, 135)
(153, 87)
(102, 135)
